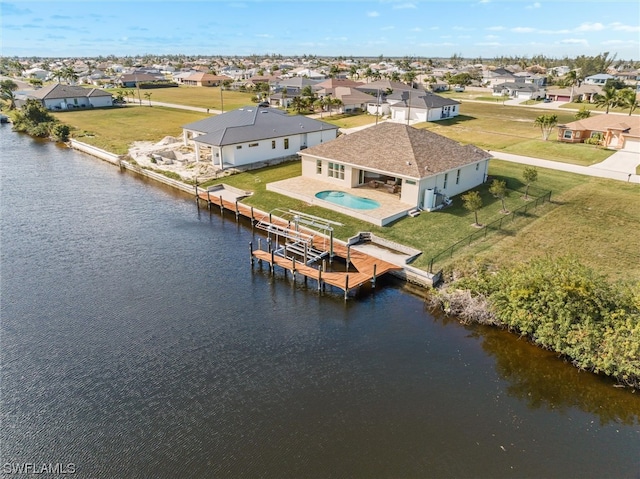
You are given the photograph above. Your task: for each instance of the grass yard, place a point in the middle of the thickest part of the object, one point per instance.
(349, 121)
(593, 219)
(511, 130)
(203, 97)
(114, 129)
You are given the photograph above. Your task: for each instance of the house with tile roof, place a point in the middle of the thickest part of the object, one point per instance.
(420, 167)
(618, 132)
(254, 134)
(203, 79)
(67, 97)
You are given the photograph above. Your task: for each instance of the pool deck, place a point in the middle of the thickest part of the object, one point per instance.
(304, 189)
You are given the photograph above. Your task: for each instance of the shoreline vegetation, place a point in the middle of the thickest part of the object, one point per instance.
(582, 301)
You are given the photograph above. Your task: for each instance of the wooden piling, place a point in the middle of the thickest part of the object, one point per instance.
(221, 206)
(346, 286)
(251, 252)
(373, 280)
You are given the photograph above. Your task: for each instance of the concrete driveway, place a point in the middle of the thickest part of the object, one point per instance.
(623, 161)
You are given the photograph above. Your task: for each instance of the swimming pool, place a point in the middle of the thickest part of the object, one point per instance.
(346, 199)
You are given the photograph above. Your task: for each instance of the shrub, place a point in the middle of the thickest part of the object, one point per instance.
(564, 306)
(60, 132)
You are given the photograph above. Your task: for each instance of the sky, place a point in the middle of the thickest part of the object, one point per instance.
(392, 28)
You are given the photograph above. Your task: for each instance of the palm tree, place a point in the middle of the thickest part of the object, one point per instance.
(627, 99)
(546, 124)
(7, 88)
(608, 99)
(408, 77)
(572, 79)
(147, 95)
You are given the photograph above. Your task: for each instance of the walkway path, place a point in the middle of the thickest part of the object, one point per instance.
(599, 170)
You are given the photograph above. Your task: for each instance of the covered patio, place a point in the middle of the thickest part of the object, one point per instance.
(305, 189)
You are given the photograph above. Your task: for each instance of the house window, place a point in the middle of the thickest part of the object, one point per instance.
(318, 167)
(567, 134)
(458, 177)
(273, 144)
(286, 143)
(596, 134)
(336, 171)
(446, 178)
(477, 166)
(251, 145)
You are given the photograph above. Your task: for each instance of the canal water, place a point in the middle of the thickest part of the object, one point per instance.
(137, 341)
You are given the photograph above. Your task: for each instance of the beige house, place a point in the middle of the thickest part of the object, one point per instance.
(420, 168)
(617, 131)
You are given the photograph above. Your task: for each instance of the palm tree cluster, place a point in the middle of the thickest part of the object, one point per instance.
(612, 98)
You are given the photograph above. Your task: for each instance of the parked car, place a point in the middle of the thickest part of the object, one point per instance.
(547, 100)
(459, 89)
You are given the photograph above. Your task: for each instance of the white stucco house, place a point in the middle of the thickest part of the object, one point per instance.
(418, 166)
(254, 134)
(419, 106)
(68, 97)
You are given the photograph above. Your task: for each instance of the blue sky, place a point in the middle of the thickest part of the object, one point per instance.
(479, 28)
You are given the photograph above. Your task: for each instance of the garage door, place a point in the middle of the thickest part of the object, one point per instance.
(632, 145)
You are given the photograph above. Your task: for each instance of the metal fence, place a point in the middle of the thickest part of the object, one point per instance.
(494, 226)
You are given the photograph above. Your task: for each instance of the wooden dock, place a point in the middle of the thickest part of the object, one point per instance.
(368, 267)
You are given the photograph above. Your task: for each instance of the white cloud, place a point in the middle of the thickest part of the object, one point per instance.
(389, 27)
(416, 29)
(523, 30)
(491, 37)
(533, 5)
(496, 29)
(373, 14)
(264, 35)
(575, 41)
(463, 29)
(489, 44)
(590, 27)
(619, 27)
(402, 6)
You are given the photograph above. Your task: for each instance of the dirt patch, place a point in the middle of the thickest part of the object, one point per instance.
(170, 154)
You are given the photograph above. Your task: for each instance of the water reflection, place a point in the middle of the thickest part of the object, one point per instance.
(543, 381)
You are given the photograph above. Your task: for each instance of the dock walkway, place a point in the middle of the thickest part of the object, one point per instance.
(368, 267)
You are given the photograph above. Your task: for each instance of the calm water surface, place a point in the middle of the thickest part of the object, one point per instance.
(137, 342)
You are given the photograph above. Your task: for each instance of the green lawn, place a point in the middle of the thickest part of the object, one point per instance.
(203, 97)
(512, 130)
(114, 129)
(350, 121)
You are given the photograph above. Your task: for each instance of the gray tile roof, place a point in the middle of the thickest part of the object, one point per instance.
(253, 123)
(400, 150)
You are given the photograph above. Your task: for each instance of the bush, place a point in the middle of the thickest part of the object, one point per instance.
(60, 132)
(564, 306)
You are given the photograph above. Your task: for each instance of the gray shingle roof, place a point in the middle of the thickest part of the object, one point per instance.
(253, 123)
(420, 99)
(400, 150)
(58, 90)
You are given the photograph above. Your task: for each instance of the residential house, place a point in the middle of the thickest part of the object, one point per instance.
(203, 79)
(131, 80)
(522, 91)
(420, 106)
(620, 132)
(583, 92)
(599, 79)
(421, 167)
(67, 97)
(491, 78)
(254, 134)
